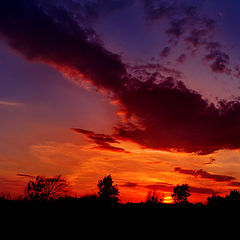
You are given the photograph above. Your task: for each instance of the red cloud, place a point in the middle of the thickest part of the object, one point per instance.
(102, 141)
(166, 187)
(203, 174)
(174, 118)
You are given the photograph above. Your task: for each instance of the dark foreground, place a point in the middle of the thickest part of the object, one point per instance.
(88, 203)
(92, 216)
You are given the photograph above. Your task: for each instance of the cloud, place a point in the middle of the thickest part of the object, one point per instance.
(101, 140)
(25, 175)
(205, 175)
(106, 6)
(169, 116)
(234, 184)
(211, 160)
(177, 28)
(10, 103)
(166, 187)
(160, 111)
(70, 47)
(130, 184)
(219, 60)
(182, 58)
(158, 10)
(8, 184)
(200, 31)
(186, 22)
(202, 190)
(165, 52)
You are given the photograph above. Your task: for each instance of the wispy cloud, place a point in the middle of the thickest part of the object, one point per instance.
(10, 103)
(25, 175)
(102, 140)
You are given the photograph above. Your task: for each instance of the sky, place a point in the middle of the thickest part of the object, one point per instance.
(144, 90)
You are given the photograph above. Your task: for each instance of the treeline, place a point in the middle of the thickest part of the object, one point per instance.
(56, 192)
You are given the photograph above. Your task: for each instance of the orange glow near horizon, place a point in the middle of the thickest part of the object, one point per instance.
(135, 173)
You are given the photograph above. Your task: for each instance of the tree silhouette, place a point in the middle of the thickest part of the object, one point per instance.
(181, 193)
(153, 198)
(42, 188)
(106, 190)
(231, 200)
(234, 195)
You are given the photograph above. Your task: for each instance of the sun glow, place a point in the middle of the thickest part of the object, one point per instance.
(167, 199)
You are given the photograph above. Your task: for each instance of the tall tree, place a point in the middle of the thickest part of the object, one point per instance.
(181, 193)
(107, 190)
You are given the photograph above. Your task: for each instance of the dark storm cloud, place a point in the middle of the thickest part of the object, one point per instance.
(102, 141)
(153, 71)
(161, 112)
(203, 174)
(172, 117)
(53, 36)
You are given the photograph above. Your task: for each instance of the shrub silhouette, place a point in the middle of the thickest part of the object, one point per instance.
(5, 196)
(42, 188)
(106, 190)
(181, 193)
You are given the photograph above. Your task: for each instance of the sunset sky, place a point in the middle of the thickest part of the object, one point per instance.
(145, 90)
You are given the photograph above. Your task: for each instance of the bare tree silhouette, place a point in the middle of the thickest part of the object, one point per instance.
(42, 188)
(153, 198)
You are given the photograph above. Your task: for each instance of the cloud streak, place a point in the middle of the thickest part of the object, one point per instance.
(10, 103)
(167, 187)
(102, 141)
(25, 175)
(204, 175)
